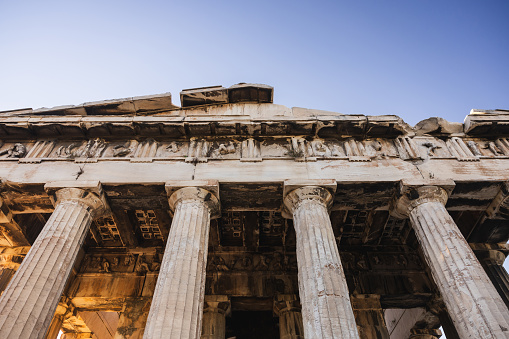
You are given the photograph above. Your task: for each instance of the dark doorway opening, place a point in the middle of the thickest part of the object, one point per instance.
(252, 325)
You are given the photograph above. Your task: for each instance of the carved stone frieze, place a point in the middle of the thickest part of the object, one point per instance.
(244, 261)
(295, 148)
(121, 263)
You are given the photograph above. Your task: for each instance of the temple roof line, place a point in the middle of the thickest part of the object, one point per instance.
(242, 104)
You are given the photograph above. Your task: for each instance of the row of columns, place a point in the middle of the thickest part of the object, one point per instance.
(31, 298)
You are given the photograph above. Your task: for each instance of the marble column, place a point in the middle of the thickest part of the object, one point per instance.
(177, 305)
(473, 302)
(324, 295)
(10, 259)
(288, 309)
(493, 262)
(214, 316)
(133, 318)
(369, 316)
(31, 298)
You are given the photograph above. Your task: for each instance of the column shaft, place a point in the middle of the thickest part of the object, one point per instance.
(473, 303)
(177, 305)
(326, 308)
(30, 300)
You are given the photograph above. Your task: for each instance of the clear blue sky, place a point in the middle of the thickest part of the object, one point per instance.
(412, 58)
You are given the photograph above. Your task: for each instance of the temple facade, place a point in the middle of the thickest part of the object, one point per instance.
(233, 217)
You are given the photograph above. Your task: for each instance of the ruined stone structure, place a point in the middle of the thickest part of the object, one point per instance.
(232, 217)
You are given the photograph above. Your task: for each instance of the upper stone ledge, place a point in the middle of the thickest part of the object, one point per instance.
(241, 92)
(141, 105)
(487, 122)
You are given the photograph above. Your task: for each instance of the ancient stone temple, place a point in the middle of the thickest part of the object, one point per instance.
(233, 217)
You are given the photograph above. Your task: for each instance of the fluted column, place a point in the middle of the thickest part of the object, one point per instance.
(214, 316)
(493, 262)
(288, 309)
(326, 308)
(30, 300)
(10, 259)
(473, 303)
(177, 305)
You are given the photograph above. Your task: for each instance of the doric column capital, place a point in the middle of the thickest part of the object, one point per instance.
(297, 192)
(286, 303)
(89, 193)
(206, 192)
(412, 195)
(216, 303)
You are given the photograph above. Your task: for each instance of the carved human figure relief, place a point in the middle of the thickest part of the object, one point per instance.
(320, 149)
(93, 148)
(123, 150)
(494, 149)
(472, 145)
(17, 150)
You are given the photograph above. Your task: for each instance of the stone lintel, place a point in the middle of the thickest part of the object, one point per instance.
(481, 247)
(208, 190)
(491, 257)
(366, 302)
(80, 190)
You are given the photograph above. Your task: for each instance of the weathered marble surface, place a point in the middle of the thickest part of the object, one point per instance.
(29, 302)
(177, 306)
(326, 308)
(474, 305)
